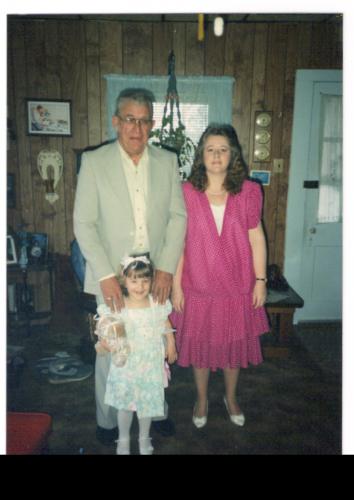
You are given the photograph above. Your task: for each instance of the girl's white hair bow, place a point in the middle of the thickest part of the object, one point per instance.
(127, 260)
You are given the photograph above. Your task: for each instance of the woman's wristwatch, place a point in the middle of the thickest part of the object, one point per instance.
(262, 279)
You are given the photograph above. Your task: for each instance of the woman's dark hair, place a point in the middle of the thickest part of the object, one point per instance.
(237, 169)
(137, 269)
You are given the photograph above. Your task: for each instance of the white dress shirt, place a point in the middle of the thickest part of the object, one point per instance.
(137, 181)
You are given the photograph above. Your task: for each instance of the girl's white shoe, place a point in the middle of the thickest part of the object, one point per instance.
(123, 447)
(235, 419)
(145, 447)
(200, 422)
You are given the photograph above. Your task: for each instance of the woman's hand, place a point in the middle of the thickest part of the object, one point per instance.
(177, 299)
(259, 294)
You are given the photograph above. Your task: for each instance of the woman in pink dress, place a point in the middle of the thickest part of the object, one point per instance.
(220, 285)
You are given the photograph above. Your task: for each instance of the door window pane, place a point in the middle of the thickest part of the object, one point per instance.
(330, 189)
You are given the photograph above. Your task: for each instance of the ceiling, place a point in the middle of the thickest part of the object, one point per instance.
(228, 18)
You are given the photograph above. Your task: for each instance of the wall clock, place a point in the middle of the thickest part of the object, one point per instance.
(263, 119)
(262, 153)
(263, 136)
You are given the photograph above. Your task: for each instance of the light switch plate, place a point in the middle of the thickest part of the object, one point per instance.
(278, 165)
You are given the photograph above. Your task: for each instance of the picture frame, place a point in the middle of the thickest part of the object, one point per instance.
(261, 176)
(11, 191)
(49, 117)
(11, 250)
(37, 247)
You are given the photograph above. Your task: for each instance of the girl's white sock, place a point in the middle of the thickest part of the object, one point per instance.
(125, 419)
(145, 447)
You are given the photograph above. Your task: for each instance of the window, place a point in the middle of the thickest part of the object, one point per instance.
(195, 117)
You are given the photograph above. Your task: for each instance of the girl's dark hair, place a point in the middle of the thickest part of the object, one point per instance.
(137, 269)
(237, 170)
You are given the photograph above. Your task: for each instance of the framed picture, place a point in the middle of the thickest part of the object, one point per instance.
(261, 176)
(11, 250)
(48, 117)
(38, 247)
(11, 193)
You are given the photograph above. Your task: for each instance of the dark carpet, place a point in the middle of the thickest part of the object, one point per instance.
(292, 402)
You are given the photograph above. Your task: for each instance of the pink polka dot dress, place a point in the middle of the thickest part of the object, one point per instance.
(219, 327)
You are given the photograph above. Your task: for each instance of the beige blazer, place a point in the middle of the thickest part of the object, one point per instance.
(103, 215)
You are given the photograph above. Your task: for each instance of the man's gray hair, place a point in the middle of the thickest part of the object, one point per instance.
(138, 95)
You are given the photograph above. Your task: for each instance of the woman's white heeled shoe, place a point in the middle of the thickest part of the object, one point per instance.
(235, 419)
(200, 422)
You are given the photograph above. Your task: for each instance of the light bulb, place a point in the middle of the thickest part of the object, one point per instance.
(218, 26)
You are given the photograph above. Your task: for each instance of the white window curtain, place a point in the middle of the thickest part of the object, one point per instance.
(330, 187)
(214, 94)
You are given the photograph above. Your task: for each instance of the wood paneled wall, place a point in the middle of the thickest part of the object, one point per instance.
(67, 59)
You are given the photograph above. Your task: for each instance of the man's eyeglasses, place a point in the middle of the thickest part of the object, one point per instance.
(130, 121)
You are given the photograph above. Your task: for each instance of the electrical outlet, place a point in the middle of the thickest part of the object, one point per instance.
(278, 165)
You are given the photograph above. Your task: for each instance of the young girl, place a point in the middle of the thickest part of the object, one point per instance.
(220, 285)
(137, 374)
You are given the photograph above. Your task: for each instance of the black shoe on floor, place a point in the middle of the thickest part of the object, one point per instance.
(106, 436)
(164, 427)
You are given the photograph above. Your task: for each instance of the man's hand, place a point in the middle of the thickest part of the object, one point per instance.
(161, 287)
(112, 293)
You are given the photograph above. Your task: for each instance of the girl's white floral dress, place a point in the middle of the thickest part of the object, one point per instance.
(139, 384)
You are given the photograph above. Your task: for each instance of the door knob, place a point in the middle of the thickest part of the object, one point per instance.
(313, 230)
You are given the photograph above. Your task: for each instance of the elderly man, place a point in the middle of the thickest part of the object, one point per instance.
(128, 201)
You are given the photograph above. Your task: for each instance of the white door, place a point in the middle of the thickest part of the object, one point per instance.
(313, 243)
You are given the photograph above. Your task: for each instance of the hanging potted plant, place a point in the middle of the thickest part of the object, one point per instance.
(173, 138)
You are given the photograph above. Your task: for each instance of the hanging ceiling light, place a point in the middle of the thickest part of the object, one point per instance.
(218, 26)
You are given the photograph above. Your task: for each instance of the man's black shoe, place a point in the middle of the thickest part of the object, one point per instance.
(164, 427)
(106, 436)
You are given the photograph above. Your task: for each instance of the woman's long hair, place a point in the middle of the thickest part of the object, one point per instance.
(236, 171)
